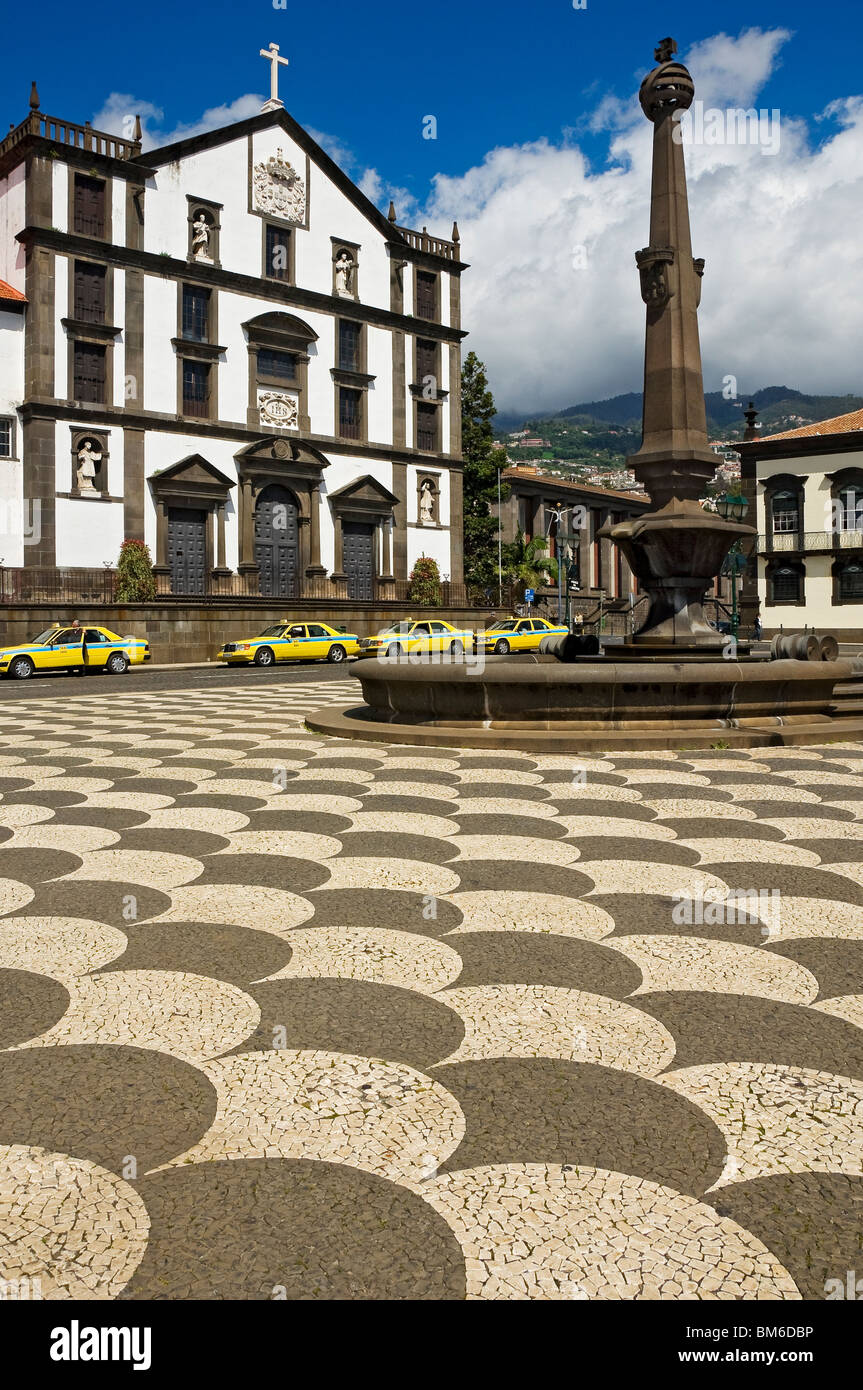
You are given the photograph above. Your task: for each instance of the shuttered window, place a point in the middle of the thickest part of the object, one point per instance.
(278, 254)
(89, 373)
(196, 313)
(851, 583)
(427, 416)
(786, 585)
(426, 295)
(89, 292)
(89, 206)
(196, 389)
(426, 362)
(350, 407)
(349, 346)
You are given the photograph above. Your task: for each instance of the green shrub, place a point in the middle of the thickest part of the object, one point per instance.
(135, 580)
(425, 583)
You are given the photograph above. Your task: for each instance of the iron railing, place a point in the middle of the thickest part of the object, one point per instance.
(98, 586)
(799, 542)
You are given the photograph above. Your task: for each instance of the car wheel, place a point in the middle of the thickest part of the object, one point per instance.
(264, 656)
(336, 653)
(21, 668)
(457, 648)
(501, 647)
(117, 664)
(393, 649)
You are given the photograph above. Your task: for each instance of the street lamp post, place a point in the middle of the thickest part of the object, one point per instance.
(499, 548)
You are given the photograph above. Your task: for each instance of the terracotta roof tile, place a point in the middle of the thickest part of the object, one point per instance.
(840, 424)
(535, 475)
(7, 292)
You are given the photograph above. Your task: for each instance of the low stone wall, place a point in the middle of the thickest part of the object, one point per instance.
(195, 631)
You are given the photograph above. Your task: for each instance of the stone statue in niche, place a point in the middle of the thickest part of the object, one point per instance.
(427, 502)
(201, 239)
(89, 457)
(345, 267)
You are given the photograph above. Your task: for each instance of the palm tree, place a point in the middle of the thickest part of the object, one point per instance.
(528, 564)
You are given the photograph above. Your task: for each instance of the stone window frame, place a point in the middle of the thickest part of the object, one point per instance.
(434, 477)
(186, 352)
(770, 571)
(89, 334)
(206, 205)
(211, 343)
(339, 244)
(778, 483)
(417, 386)
(12, 422)
(347, 385)
(844, 478)
(851, 557)
(77, 435)
(107, 223)
(426, 270)
(83, 325)
(284, 333)
(290, 275)
(418, 402)
(96, 334)
(345, 378)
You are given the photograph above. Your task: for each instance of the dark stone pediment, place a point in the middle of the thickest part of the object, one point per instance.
(194, 476)
(364, 496)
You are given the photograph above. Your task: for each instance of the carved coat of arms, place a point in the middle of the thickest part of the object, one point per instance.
(278, 411)
(278, 189)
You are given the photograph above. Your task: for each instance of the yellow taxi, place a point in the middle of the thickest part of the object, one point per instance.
(287, 641)
(517, 635)
(417, 635)
(87, 649)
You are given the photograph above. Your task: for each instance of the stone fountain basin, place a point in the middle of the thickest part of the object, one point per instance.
(541, 703)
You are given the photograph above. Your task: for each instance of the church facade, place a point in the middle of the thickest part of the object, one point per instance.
(224, 348)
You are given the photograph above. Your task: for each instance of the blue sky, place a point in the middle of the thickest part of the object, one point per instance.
(492, 73)
(538, 132)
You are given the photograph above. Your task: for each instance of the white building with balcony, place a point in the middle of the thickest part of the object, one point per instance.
(807, 485)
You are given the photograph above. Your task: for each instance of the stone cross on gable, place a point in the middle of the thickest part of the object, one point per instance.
(665, 50)
(272, 56)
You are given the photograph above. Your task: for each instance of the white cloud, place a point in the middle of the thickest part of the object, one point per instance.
(780, 235)
(117, 117)
(552, 299)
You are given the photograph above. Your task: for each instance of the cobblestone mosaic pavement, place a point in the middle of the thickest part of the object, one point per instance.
(287, 1016)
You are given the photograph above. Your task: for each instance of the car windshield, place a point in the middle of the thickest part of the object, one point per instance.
(398, 627)
(275, 631)
(44, 637)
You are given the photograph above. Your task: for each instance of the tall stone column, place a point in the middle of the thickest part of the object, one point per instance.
(675, 548)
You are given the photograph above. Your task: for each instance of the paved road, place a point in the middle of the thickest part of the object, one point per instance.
(285, 1016)
(144, 681)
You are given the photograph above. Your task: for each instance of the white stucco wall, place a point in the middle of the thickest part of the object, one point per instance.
(160, 363)
(84, 540)
(11, 362)
(12, 220)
